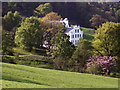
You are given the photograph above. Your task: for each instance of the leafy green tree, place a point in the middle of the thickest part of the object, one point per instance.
(43, 9)
(30, 34)
(81, 54)
(107, 40)
(62, 49)
(11, 21)
(7, 43)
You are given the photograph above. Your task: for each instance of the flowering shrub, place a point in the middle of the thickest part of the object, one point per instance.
(101, 64)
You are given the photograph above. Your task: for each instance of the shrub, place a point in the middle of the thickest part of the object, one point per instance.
(98, 64)
(8, 59)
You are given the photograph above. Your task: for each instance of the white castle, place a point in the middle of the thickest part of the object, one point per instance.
(74, 32)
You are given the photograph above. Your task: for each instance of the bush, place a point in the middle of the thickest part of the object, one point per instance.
(94, 69)
(104, 64)
(8, 59)
(60, 63)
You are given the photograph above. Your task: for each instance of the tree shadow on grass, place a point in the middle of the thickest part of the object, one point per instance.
(22, 80)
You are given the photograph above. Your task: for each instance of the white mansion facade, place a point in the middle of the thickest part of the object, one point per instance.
(74, 32)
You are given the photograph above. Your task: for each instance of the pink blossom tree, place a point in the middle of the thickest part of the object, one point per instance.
(104, 64)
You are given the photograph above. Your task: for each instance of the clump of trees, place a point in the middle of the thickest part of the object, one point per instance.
(80, 55)
(107, 40)
(51, 25)
(7, 43)
(118, 15)
(11, 21)
(29, 34)
(98, 64)
(43, 9)
(62, 50)
(97, 20)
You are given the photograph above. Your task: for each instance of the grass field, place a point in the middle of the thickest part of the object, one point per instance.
(88, 33)
(20, 76)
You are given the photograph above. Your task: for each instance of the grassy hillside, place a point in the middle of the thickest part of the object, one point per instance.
(17, 76)
(35, 58)
(88, 33)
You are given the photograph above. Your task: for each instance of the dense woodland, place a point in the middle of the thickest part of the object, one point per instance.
(27, 25)
(77, 12)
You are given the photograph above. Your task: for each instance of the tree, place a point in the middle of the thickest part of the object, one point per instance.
(7, 43)
(97, 20)
(29, 34)
(118, 15)
(107, 40)
(43, 9)
(51, 25)
(11, 21)
(81, 54)
(62, 49)
(99, 64)
(109, 15)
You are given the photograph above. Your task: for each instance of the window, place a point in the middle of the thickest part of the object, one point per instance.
(78, 30)
(75, 35)
(72, 41)
(80, 35)
(75, 30)
(72, 36)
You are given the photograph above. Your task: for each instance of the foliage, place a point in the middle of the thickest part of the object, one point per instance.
(110, 16)
(76, 12)
(43, 9)
(49, 21)
(118, 15)
(8, 59)
(50, 26)
(62, 49)
(11, 21)
(101, 64)
(62, 46)
(97, 20)
(81, 54)
(7, 43)
(17, 76)
(107, 39)
(29, 34)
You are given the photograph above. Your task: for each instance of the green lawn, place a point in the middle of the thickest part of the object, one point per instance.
(20, 76)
